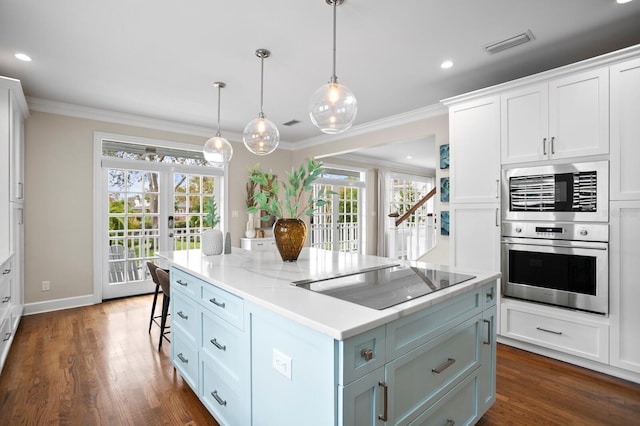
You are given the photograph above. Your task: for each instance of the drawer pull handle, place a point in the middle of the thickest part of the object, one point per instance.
(488, 341)
(6, 337)
(553, 145)
(450, 422)
(367, 354)
(182, 283)
(385, 414)
(549, 331)
(544, 146)
(6, 271)
(6, 299)
(439, 369)
(219, 400)
(182, 358)
(215, 343)
(215, 302)
(183, 316)
(491, 294)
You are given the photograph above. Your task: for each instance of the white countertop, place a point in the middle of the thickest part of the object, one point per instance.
(264, 279)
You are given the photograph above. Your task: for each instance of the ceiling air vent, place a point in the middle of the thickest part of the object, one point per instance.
(291, 122)
(514, 41)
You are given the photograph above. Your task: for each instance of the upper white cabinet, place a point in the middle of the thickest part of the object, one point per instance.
(474, 148)
(564, 118)
(625, 130)
(16, 148)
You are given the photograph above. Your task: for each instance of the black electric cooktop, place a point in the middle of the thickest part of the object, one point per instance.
(386, 286)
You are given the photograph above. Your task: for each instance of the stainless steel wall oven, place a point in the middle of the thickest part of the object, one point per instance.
(563, 264)
(577, 192)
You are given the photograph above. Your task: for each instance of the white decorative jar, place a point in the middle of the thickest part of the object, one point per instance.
(211, 242)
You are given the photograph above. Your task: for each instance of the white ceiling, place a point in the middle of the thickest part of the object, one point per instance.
(159, 58)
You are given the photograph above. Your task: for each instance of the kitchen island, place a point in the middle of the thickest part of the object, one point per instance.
(258, 350)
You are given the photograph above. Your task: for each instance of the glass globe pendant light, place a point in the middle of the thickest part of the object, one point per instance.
(333, 106)
(261, 136)
(217, 149)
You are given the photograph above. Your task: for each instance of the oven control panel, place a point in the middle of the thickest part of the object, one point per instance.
(557, 231)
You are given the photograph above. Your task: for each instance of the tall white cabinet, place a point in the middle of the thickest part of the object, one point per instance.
(13, 112)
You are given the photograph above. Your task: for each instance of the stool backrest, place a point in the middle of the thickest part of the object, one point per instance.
(163, 280)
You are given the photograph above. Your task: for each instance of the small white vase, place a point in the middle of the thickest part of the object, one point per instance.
(211, 242)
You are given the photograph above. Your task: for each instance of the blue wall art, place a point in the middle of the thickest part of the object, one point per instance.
(444, 156)
(444, 223)
(444, 189)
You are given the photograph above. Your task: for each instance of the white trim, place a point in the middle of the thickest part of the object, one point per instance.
(388, 164)
(372, 126)
(99, 114)
(59, 304)
(587, 64)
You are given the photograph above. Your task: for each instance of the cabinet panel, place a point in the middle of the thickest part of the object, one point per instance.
(185, 358)
(625, 284)
(188, 284)
(184, 314)
(475, 151)
(419, 377)
(363, 401)
(258, 244)
(487, 371)
(625, 130)
(579, 114)
(224, 344)
(560, 329)
(475, 237)
(524, 124)
(223, 304)
(361, 354)
(6, 279)
(16, 149)
(224, 398)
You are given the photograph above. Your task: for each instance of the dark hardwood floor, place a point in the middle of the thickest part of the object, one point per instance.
(97, 365)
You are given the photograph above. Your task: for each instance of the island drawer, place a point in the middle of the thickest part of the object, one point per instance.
(224, 304)
(570, 332)
(419, 378)
(5, 294)
(186, 283)
(457, 407)
(223, 343)
(490, 294)
(361, 354)
(185, 359)
(185, 316)
(416, 329)
(225, 399)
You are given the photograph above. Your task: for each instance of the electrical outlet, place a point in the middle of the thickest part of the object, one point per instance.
(281, 363)
(46, 285)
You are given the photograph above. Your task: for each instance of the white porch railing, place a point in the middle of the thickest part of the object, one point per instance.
(410, 240)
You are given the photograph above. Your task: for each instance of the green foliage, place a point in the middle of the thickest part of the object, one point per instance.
(299, 181)
(212, 219)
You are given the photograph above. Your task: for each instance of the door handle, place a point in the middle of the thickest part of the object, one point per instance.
(498, 217)
(544, 146)
(488, 341)
(385, 413)
(497, 188)
(553, 145)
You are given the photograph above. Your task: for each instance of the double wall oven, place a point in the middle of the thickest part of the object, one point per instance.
(555, 235)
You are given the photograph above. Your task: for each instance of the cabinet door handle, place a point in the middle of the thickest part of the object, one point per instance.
(20, 191)
(439, 369)
(219, 400)
(6, 271)
(6, 299)
(553, 145)
(488, 341)
(21, 219)
(549, 331)
(215, 343)
(497, 217)
(367, 354)
(183, 316)
(544, 146)
(6, 337)
(182, 358)
(491, 294)
(450, 422)
(497, 188)
(215, 302)
(385, 413)
(182, 283)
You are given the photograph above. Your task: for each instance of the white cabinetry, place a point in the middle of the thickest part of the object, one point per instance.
(258, 244)
(564, 118)
(625, 130)
(475, 236)
(474, 148)
(625, 284)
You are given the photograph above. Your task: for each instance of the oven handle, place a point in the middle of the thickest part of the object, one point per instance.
(596, 246)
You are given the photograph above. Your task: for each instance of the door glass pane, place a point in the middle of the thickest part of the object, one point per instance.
(132, 223)
(191, 192)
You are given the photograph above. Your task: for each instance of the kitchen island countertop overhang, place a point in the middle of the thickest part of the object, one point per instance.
(265, 280)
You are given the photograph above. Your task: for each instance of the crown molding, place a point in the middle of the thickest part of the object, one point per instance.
(391, 165)
(91, 113)
(372, 126)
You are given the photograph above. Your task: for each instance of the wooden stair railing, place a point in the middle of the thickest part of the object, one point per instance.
(415, 207)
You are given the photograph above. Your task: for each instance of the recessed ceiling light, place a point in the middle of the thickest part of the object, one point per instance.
(446, 64)
(409, 157)
(23, 57)
(622, 1)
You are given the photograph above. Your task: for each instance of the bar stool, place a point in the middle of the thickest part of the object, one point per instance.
(163, 279)
(152, 271)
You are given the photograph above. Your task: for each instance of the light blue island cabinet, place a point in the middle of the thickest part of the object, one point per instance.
(259, 351)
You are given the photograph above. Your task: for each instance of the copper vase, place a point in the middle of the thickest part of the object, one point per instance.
(290, 235)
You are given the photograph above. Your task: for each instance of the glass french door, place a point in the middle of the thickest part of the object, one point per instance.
(149, 211)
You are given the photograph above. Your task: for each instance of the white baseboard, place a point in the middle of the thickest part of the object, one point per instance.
(59, 304)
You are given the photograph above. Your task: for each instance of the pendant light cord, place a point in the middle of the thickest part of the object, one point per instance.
(334, 78)
(218, 131)
(261, 115)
